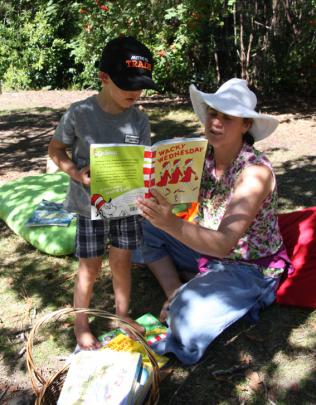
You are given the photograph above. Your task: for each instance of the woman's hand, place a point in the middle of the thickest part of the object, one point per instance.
(157, 210)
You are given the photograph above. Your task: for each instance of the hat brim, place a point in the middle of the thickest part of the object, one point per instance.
(263, 125)
(133, 83)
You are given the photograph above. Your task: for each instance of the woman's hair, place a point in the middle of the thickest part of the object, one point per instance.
(248, 138)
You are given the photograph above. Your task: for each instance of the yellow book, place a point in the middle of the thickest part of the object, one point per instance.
(123, 343)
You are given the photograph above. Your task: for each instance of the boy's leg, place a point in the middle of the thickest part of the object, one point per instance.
(120, 264)
(126, 236)
(87, 272)
(90, 247)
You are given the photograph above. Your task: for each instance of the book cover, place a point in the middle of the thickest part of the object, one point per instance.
(142, 386)
(122, 172)
(154, 331)
(49, 213)
(103, 378)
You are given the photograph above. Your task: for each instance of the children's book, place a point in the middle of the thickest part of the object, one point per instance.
(142, 386)
(154, 331)
(120, 173)
(50, 213)
(101, 377)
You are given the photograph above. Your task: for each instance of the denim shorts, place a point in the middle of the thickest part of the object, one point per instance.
(92, 236)
(158, 244)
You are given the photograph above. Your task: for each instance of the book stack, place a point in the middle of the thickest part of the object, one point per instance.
(120, 373)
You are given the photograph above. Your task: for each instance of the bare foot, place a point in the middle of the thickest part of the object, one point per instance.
(85, 338)
(165, 308)
(164, 311)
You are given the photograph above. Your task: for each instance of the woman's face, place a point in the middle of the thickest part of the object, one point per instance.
(224, 130)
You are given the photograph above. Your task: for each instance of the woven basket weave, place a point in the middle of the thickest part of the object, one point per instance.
(48, 391)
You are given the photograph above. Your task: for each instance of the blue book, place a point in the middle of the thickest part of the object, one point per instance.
(49, 213)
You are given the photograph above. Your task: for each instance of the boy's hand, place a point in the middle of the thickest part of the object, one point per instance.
(84, 176)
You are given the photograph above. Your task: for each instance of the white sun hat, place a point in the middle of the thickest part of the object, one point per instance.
(236, 99)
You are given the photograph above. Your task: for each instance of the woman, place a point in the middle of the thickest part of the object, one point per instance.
(234, 253)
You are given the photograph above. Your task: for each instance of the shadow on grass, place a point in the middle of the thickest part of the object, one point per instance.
(297, 183)
(24, 138)
(264, 349)
(41, 284)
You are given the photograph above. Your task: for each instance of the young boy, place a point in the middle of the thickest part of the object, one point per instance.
(108, 117)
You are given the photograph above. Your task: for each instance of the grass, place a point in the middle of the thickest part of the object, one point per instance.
(271, 362)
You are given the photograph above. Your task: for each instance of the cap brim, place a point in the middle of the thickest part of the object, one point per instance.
(132, 83)
(263, 124)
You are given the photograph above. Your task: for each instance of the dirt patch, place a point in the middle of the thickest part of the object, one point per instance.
(28, 120)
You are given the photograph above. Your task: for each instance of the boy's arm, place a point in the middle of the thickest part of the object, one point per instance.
(57, 152)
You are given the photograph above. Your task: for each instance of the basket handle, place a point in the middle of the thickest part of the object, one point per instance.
(39, 384)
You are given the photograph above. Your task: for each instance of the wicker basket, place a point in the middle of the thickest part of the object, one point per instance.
(48, 391)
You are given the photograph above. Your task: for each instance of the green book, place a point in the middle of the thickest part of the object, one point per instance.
(154, 330)
(118, 340)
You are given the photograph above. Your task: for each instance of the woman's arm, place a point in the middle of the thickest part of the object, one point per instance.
(252, 187)
(57, 152)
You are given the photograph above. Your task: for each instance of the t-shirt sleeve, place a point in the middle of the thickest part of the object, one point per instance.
(65, 131)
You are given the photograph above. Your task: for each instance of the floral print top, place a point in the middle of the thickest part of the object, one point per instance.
(263, 236)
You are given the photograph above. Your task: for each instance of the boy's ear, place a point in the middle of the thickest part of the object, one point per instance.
(104, 77)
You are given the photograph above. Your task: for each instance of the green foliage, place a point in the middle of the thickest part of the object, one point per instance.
(36, 51)
(58, 44)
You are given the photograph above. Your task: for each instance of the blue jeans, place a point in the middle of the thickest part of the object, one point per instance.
(158, 244)
(210, 302)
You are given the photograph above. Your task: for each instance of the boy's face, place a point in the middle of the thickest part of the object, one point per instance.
(121, 99)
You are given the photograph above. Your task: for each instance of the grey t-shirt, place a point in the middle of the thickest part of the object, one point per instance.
(85, 123)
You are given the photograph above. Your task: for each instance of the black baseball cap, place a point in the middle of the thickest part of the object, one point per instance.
(129, 64)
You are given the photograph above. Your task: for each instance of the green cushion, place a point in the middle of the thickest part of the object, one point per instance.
(18, 199)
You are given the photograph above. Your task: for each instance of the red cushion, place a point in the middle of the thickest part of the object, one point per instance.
(299, 234)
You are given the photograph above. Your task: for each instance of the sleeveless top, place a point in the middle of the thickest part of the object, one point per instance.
(263, 237)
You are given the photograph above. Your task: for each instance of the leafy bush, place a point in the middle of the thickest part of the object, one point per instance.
(58, 44)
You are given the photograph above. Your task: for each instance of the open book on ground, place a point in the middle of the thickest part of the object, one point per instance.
(101, 377)
(120, 173)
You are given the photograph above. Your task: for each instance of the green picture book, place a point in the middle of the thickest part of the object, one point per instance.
(154, 331)
(120, 173)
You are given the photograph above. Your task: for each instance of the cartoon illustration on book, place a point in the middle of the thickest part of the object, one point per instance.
(105, 209)
(165, 176)
(176, 172)
(188, 173)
